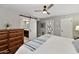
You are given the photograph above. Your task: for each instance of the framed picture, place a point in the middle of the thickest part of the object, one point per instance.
(42, 25)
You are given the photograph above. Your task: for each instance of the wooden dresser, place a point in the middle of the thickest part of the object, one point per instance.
(11, 40)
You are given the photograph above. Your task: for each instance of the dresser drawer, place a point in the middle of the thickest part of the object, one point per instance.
(15, 43)
(15, 34)
(15, 39)
(3, 36)
(3, 32)
(4, 51)
(17, 30)
(13, 49)
(2, 42)
(3, 47)
(11, 40)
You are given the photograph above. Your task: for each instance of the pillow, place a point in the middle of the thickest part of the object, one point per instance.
(43, 40)
(33, 44)
(38, 41)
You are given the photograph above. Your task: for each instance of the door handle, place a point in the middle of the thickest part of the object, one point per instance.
(61, 30)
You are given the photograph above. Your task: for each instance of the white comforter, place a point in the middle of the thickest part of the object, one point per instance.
(54, 45)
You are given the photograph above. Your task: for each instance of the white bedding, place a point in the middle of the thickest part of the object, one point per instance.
(53, 45)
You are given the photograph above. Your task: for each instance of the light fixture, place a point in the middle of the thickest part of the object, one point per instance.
(25, 20)
(77, 28)
(44, 11)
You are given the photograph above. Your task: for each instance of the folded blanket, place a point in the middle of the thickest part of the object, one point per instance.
(36, 43)
(32, 45)
(30, 48)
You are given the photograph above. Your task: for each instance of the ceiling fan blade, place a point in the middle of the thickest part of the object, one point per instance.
(27, 16)
(48, 13)
(50, 6)
(37, 10)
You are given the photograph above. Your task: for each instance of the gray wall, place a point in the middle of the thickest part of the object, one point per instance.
(39, 29)
(57, 28)
(57, 22)
(75, 20)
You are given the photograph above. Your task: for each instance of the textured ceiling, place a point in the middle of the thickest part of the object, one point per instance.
(28, 9)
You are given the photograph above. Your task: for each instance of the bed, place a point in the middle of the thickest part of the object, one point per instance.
(48, 44)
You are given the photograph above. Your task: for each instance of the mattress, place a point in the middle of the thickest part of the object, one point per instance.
(52, 45)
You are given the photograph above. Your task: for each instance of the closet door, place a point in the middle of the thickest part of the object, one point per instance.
(66, 27)
(33, 29)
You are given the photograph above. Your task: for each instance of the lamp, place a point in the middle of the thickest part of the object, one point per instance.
(26, 21)
(77, 28)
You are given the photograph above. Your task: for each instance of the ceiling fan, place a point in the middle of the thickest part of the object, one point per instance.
(45, 9)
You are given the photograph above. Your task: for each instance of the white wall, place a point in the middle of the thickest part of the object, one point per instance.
(8, 16)
(31, 26)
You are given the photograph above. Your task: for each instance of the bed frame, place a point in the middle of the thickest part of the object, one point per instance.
(11, 40)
